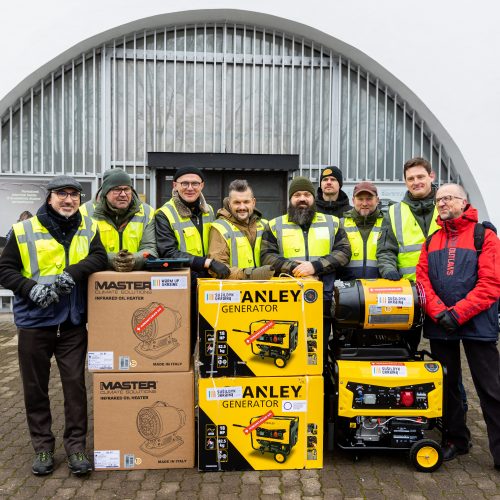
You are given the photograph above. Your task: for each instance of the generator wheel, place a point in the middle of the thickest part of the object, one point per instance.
(426, 455)
(280, 363)
(280, 457)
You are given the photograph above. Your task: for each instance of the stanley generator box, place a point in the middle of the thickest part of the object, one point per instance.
(260, 423)
(386, 394)
(260, 328)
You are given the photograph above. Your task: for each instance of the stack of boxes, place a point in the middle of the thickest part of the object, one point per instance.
(139, 351)
(260, 391)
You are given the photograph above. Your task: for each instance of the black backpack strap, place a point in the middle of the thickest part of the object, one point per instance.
(429, 238)
(479, 231)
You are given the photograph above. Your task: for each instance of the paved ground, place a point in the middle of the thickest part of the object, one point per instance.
(375, 476)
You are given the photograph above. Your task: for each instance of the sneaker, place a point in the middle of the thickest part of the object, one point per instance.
(79, 463)
(43, 463)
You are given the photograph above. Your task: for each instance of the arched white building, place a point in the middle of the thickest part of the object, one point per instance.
(361, 86)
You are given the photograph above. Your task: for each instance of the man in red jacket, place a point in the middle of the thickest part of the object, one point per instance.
(462, 288)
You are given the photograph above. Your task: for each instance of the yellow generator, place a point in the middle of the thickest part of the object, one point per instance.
(386, 394)
(276, 435)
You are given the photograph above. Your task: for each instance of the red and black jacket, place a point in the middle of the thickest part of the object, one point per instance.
(455, 276)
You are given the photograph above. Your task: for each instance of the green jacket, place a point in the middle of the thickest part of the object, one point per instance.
(365, 227)
(119, 219)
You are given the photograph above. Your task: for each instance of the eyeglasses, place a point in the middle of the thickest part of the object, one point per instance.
(446, 199)
(118, 190)
(185, 184)
(62, 195)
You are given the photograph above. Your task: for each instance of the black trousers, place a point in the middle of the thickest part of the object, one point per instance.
(36, 347)
(484, 364)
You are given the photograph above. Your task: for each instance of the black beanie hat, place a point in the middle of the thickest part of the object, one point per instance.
(188, 170)
(114, 177)
(300, 184)
(332, 172)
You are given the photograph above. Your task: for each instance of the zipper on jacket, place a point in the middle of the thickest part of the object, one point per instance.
(58, 333)
(306, 243)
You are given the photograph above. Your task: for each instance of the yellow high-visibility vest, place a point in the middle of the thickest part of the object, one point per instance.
(186, 233)
(43, 257)
(363, 259)
(241, 253)
(130, 238)
(293, 245)
(410, 237)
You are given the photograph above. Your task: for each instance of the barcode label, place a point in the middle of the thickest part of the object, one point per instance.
(395, 300)
(129, 461)
(124, 363)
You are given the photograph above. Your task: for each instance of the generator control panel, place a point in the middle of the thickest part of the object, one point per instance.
(402, 397)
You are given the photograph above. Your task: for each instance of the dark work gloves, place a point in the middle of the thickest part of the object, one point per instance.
(447, 321)
(392, 275)
(220, 270)
(124, 261)
(64, 284)
(43, 295)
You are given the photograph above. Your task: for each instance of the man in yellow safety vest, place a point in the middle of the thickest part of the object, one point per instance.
(182, 228)
(46, 264)
(362, 225)
(305, 243)
(408, 223)
(236, 235)
(126, 224)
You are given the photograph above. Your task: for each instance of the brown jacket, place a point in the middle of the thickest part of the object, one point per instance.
(217, 246)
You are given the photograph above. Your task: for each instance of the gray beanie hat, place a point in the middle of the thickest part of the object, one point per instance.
(114, 177)
(300, 184)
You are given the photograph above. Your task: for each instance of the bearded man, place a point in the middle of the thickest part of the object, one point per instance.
(305, 242)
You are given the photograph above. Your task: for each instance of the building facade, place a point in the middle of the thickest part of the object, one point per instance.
(243, 94)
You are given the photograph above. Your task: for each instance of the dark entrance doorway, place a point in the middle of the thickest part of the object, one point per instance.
(267, 174)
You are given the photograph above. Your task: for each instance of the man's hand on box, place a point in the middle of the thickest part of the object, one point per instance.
(124, 261)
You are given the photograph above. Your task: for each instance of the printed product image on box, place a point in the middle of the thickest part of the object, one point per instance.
(139, 322)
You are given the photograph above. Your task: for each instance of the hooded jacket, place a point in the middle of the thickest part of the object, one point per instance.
(336, 208)
(218, 249)
(455, 278)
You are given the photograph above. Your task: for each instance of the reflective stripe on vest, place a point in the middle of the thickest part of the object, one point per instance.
(43, 257)
(241, 253)
(131, 236)
(359, 258)
(320, 237)
(186, 233)
(88, 208)
(410, 237)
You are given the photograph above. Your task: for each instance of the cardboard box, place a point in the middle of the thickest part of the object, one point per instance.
(143, 420)
(139, 321)
(260, 328)
(260, 423)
